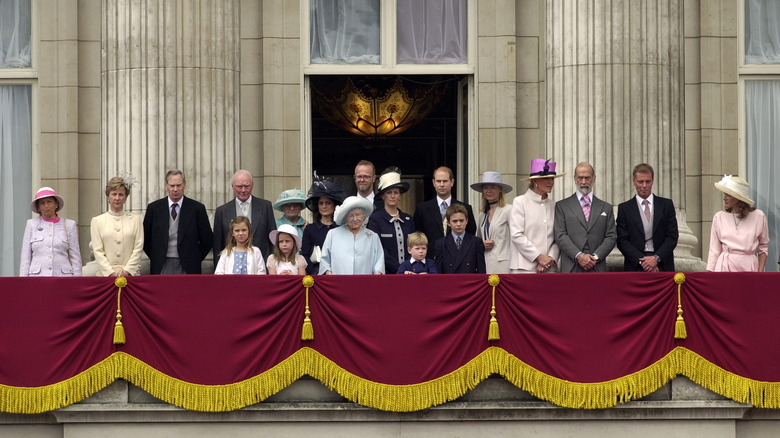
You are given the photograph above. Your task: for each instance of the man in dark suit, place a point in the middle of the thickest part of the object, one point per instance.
(177, 233)
(584, 226)
(459, 252)
(429, 216)
(647, 226)
(259, 211)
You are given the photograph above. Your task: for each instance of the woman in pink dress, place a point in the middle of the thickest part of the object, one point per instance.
(740, 236)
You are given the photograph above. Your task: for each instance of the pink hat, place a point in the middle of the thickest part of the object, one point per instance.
(45, 192)
(541, 168)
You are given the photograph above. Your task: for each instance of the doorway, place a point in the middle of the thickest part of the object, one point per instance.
(437, 139)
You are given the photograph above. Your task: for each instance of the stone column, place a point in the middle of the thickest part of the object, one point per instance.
(615, 98)
(170, 81)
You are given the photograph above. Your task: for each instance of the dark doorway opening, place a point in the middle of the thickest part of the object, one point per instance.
(433, 142)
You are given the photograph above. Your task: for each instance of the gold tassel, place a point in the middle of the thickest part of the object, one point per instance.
(307, 334)
(119, 330)
(680, 332)
(493, 333)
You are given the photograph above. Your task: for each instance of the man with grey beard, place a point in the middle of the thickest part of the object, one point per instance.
(584, 226)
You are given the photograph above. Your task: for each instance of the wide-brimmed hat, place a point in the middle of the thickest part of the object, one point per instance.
(391, 180)
(541, 168)
(46, 192)
(491, 177)
(292, 196)
(736, 187)
(285, 228)
(320, 188)
(350, 204)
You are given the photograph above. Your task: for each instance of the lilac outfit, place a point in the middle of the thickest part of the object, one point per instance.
(50, 249)
(733, 247)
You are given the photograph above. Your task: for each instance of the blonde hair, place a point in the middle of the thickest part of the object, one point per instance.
(278, 252)
(231, 243)
(416, 239)
(116, 183)
(501, 199)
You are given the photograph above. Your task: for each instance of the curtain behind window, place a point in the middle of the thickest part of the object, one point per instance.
(432, 31)
(762, 110)
(345, 31)
(15, 173)
(14, 33)
(762, 32)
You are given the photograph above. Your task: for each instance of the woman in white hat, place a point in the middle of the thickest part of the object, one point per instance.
(531, 223)
(739, 240)
(391, 224)
(493, 221)
(50, 247)
(117, 235)
(351, 249)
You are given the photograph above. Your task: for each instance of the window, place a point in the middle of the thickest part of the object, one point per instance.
(388, 32)
(15, 128)
(759, 81)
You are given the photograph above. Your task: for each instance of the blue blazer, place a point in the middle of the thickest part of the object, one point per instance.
(470, 259)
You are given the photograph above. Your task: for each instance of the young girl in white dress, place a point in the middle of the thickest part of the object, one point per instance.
(285, 260)
(239, 256)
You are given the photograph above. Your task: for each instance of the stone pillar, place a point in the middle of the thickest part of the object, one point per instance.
(615, 98)
(170, 81)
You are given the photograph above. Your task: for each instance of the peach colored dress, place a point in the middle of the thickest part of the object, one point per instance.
(735, 244)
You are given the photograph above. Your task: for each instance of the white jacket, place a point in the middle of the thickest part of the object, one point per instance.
(255, 264)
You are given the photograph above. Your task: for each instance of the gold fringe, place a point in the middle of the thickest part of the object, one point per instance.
(307, 333)
(396, 398)
(119, 330)
(493, 333)
(680, 332)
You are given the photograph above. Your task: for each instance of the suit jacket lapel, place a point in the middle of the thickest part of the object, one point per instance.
(184, 218)
(576, 208)
(256, 214)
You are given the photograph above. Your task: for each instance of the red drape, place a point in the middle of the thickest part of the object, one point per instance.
(387, 330)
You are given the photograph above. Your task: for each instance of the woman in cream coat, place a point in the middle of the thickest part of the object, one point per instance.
(531, 223)
(493, 222)
(117, 235)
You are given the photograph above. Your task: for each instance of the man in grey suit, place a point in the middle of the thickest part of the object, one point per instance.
(584, 226)
(259, 211)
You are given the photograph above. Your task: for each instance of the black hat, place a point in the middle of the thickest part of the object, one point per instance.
(320, 188)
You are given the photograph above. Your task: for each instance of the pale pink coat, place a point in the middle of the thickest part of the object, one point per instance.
(735, 248)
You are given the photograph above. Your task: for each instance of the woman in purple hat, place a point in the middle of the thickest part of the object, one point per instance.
(531, 222)
(51, 244)
(493, 222)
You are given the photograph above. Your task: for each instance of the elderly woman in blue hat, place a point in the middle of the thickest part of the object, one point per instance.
(351, 249)
(323, 198)
(391, 224)
(290, 203)
(50, 246)
(493, 222)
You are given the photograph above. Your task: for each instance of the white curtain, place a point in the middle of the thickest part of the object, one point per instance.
(345, 31)
(762, 110)
(14, 33)
(432, 32)
(15, 173)
(762, 31)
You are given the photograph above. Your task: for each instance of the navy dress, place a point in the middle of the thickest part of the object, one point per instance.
(393, 238)
(314, 235)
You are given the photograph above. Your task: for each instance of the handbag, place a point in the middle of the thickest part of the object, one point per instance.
(316, 253)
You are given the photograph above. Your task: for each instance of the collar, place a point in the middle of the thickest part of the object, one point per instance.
(54, 220)
(532, 195)
(418, 261)
(448, 201)
(649, 199)
(369, 197)
(591, 196)
(170, 202)
(455, 236)
(248, 201)
(300, 222)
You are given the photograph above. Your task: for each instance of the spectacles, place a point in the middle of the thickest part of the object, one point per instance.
(243, 187)
(364, 176)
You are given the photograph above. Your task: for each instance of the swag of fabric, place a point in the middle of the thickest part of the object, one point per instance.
(404, 343)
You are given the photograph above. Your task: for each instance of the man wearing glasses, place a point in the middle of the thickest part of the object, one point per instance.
(365, 176)
(259, 211)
